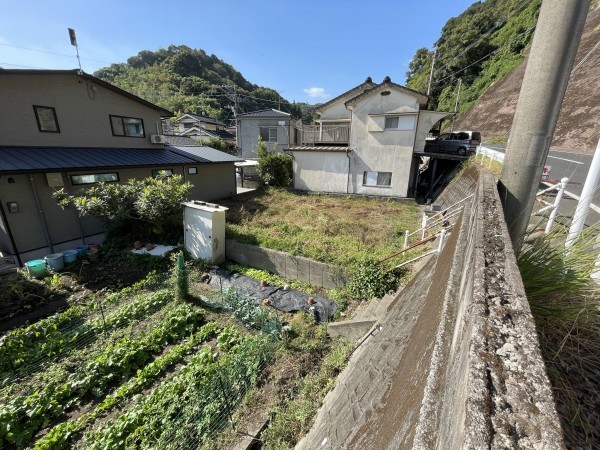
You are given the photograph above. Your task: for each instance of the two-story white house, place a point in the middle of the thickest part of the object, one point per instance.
(65, 129)
(364, 141)
(276, 128)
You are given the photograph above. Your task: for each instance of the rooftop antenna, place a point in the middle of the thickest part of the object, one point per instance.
(73, 38)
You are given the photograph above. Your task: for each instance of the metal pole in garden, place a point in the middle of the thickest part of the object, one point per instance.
(406, 233)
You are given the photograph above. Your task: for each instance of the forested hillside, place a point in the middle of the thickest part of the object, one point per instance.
(479, 47)
(486, 47)
(182, 79)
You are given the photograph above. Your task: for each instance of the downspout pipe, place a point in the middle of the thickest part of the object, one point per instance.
(348, 176)
(41, 213)
(10, 235)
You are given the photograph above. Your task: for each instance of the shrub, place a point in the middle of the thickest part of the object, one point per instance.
(274, 168)
(370, 279)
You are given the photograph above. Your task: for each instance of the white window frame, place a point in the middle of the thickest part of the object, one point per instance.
(92, 178)
(374, 179)
(401, 124)
(270, 132)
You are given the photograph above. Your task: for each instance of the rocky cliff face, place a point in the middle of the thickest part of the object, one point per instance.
(578, 127)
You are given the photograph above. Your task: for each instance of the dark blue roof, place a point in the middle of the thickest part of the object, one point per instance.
(206, 154)
(39, 159)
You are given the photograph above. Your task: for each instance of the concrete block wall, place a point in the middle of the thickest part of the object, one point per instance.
(285, 265)
(456, 362)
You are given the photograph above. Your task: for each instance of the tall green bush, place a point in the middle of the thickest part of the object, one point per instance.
(274, 168)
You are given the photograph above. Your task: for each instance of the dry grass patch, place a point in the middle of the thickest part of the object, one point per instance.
(332, 229)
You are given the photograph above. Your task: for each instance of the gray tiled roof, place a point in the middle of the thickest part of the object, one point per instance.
(265, 113)
(180, 140)
(32, 159)
(205, 154)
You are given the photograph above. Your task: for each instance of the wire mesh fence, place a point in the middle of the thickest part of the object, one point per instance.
(28, 350)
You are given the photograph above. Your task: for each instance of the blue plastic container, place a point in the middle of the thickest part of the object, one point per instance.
(55, 261)
(70, 256)
(36, 268)
(82, 249)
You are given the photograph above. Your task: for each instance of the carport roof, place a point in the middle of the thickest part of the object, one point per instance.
(42, 159)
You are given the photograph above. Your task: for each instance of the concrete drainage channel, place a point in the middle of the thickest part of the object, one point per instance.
(456, 361)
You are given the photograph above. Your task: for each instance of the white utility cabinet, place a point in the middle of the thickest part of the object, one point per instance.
(204, 230)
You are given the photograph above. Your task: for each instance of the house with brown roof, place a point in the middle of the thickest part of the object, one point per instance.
(65, 129)
(365, 141)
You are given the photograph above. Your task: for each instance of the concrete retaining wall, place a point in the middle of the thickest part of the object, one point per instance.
(456, 362)
(285, 265)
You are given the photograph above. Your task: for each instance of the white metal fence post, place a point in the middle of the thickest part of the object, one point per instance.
(559, 195)
(406, 233)
(423, 225)
(441, 237)
(589, 187)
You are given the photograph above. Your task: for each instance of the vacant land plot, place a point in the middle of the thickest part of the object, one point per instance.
(332, 229)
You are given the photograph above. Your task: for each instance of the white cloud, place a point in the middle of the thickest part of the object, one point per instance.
(316, 92)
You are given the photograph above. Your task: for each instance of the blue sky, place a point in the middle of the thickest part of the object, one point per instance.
(307, 50)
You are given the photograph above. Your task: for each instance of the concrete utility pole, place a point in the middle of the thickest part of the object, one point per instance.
(557, 35)
(431, 72)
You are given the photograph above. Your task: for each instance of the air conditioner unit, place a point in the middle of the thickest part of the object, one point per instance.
(157, 139)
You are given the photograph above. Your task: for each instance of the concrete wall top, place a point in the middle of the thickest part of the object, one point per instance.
(456, 363)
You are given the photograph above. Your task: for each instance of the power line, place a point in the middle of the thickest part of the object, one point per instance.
(486, 56)
(52, 53)
(497, 25)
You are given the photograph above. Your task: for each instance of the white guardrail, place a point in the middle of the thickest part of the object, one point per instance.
(493, 155)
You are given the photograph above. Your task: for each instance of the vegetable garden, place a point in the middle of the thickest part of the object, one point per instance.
(139, 369)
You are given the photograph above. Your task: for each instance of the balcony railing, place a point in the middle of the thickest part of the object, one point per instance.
(326, 134)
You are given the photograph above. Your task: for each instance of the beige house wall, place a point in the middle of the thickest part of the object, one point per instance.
(382, 150)
(35, 229)
(321, 171)
(82, 109)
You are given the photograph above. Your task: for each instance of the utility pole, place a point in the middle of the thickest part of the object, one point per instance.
(456, 104)
(557, 35)
(431, 72)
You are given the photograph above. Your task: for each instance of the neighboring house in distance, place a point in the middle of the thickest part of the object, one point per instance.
(276, 128)
(67, 129)
(364, 141)
(198, 126)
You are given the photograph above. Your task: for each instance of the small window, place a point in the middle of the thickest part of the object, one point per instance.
(400, 122)
(167, 172)
(127, 126)
(377, 178)
(94, 178)
(268, 134)
(46, 119)
(192, 170)
(188, 125)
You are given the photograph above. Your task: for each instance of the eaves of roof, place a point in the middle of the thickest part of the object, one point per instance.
(422, 98)
(350, 93)
(264, 114)
(46, 159)
(98, 81)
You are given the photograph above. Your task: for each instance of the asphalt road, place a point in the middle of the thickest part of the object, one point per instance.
(575, 166)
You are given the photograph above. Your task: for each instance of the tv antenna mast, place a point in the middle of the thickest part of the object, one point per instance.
(73, 38)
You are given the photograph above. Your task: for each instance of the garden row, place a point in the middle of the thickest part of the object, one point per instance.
(26, 349)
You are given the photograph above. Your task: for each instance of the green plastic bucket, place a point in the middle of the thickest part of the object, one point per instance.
(70, 256)
(36, 268)
(56, 261)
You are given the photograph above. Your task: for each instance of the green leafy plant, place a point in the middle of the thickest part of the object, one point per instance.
(155, 201)
(369, 279)
(274, 168)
